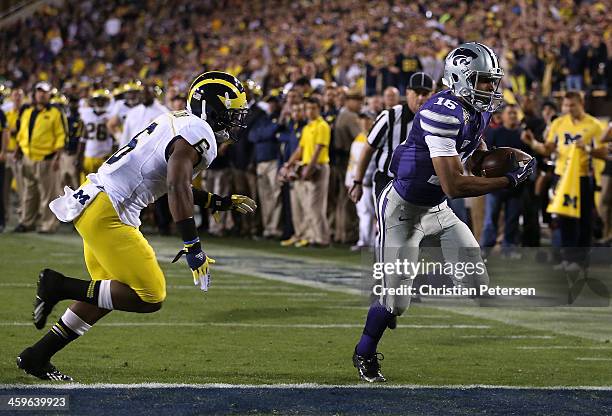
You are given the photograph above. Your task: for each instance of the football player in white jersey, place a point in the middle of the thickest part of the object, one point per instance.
(143, 114)
(96, 145)
(131, 96)
(162, 158)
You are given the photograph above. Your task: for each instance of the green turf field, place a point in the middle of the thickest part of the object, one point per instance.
(255, 330)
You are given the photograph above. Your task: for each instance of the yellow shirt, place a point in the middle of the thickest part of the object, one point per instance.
(564, 133)
(12, 117)
(314, 133)
(41, 133)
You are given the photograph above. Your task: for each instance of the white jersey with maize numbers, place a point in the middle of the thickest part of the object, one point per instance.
(98, 141)
(135, 176)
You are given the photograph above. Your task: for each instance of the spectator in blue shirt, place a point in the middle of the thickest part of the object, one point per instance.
(264, 136)
(507, 135)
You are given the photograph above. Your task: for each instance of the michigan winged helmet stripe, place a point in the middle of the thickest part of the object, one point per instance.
(238, 102)
(219, 98)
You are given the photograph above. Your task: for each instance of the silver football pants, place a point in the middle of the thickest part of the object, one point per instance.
(403, 227)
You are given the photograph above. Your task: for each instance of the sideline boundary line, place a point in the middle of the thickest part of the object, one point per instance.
(310, 386)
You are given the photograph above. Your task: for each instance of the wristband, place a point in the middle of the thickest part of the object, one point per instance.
(188, 230)
(357, 183)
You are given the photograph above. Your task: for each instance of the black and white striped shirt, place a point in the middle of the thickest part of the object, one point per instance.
(389, 130)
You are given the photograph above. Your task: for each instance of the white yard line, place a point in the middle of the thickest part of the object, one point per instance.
(257, 325)
(508, 336)
(593, 359)
(308, 386)
(563, 347)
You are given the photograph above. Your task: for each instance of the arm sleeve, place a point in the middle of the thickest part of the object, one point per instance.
(441, 146)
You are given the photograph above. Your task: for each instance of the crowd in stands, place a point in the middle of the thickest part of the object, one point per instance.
(317, 76)
(547, 45)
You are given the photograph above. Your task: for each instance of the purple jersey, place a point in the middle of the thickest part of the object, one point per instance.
(443, 126)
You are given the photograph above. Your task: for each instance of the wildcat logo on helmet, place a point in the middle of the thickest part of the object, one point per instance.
(463, 57)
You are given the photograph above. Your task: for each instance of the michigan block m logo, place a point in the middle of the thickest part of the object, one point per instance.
(81, 196)
(568, 201)
(569, 139)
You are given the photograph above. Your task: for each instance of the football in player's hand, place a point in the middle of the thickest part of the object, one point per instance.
(499, 161)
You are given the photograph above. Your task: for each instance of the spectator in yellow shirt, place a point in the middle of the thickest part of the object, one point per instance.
(575, 134)
(40, 140)
(313, 156)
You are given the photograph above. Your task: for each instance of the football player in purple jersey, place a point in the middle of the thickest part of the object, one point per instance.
(445, 140)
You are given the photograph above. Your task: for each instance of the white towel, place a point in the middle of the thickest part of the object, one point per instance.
(69, 206)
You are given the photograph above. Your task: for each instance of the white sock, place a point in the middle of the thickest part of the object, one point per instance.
(72, 321)
(105, 301)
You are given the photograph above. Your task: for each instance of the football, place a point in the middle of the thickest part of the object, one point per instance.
(497, 162)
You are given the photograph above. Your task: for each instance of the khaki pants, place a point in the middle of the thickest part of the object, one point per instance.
(40, 188)
(68, 173)
(218, 182)
(13, 170)
(269, 191)
(315, 202)
(605, 206)
(301, 229)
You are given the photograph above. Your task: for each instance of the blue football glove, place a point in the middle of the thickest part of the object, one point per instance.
(198, 261)
(521, 173)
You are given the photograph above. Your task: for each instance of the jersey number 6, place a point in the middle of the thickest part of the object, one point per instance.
(130, 146)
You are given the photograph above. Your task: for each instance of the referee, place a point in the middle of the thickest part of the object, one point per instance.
(390, 129)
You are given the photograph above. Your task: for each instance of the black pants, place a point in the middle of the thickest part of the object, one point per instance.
(286, 201)
(381, 180)
(162, 215)
(577, 232)
(531, 215)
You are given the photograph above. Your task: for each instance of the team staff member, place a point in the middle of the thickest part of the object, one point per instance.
(576, 138)
(390, 129)
(313, 152)
(41, 138)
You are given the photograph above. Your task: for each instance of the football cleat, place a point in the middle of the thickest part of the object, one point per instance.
(44, 302)
(46, 371)
(369, 367)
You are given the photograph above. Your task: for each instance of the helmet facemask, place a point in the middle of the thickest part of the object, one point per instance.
(483, 100)
(99, 104)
